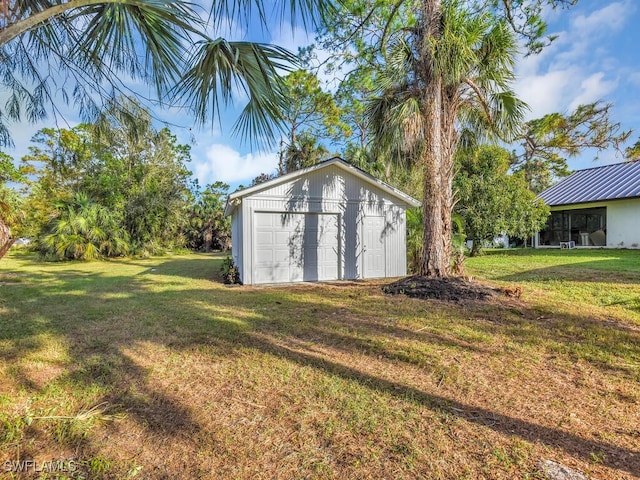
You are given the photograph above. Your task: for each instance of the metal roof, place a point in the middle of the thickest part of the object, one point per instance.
(611, 182)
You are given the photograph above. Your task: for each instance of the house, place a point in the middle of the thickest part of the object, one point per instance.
(327, 222)
(596, 207)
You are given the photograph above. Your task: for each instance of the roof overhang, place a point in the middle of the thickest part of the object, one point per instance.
(235, 199)
(588, 203)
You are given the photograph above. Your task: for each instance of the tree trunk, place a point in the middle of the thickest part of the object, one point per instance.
(5, 248)
(5, 239)
(436, 202)
(475, 247)
(208, 237)
(44, 17)
(435, 261)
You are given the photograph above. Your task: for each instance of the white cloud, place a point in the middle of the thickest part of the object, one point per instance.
(593, 88)
(578, 67)
(581, 43)
(546, 93)
(562, 90)
(228, 165)
(606, 20)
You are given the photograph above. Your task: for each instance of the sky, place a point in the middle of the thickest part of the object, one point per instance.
(595, 57)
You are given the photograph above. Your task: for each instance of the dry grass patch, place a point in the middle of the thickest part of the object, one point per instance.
(186, 378)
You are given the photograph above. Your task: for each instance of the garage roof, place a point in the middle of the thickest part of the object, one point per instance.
(336, 161)
(611, 182)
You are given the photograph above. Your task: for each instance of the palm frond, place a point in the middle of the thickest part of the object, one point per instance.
(218, 67)
(308, 12)
(118, 35)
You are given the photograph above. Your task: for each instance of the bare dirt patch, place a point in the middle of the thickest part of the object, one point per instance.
(453, 289)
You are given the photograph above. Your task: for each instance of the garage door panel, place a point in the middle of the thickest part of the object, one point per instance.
(271, 274)
(264, 220)
(264, 238)
(282, 238)
(282, 255)
(296, 274)
(265, 256)
(294, 247)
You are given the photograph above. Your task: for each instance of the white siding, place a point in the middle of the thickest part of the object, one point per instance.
(247, 243)
(623, 223)
(396, 243)
(335, 191)
(237, 241)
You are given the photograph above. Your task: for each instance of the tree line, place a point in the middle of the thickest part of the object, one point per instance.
(120, 187)
(494, 181)
(426, 104)
(108, 189)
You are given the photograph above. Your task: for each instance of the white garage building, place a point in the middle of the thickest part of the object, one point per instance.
(327, 222)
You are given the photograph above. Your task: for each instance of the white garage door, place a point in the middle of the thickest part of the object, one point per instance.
(290, 247)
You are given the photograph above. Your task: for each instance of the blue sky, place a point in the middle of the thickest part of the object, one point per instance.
(596, 57)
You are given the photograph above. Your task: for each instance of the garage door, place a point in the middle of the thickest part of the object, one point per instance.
(291, 247)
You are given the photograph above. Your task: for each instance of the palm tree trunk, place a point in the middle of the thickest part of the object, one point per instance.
(437, 184)
(32, 21)
(436, 238)
(208, 236)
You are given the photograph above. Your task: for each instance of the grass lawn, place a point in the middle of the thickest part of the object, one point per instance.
(154, 369)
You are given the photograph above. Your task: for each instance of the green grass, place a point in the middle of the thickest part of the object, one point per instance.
(570, 279)
(152, 368)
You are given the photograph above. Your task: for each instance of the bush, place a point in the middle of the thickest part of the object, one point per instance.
(230, 273)
(82, 230)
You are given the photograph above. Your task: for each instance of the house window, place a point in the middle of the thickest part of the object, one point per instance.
(585, 227)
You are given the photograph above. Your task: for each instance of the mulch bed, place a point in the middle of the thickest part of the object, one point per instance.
(453, 289)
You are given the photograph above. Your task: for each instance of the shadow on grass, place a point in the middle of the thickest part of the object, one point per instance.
(615, 457)
(114, 313)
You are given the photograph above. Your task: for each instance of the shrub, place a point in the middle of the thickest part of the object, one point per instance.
(230, 273)
(82, 230)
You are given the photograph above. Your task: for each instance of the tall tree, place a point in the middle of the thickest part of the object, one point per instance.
(309, 108)
(10, 202)
(208, 227)
(547, 142)
(145, 174)
(311, 115)
(633, 152)
(305, 152)
(490, 200)
(141, 180)
(454, 68)
(442, 65)
(351, 98)
(79, 51)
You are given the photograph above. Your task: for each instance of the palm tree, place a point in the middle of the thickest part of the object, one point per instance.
(83, 230)
(447, 74)
(81, 50)
(305, 151)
